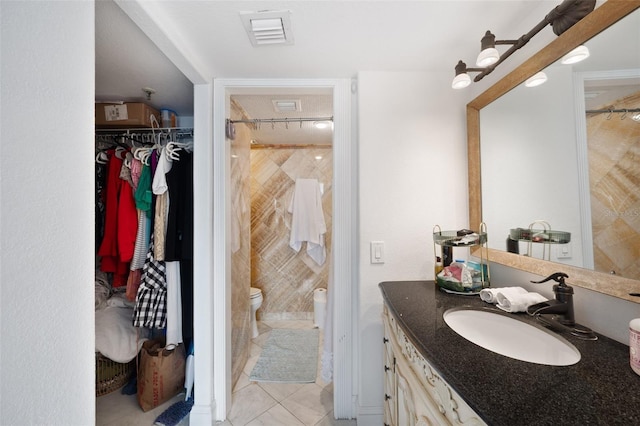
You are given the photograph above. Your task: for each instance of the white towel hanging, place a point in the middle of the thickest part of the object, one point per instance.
(308, 223)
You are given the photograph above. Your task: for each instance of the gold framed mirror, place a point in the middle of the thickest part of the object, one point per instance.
(601, 18)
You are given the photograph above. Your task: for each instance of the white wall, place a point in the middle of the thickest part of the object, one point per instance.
(46, 211)
(529, 167)
(412, 176)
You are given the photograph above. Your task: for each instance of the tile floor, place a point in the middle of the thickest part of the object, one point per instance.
(253, 403)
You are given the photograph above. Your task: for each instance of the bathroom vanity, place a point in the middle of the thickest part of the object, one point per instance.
(432, 375)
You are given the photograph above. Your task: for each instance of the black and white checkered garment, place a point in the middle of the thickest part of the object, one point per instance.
(151, 301)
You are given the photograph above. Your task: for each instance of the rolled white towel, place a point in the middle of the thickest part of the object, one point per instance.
(489, 294)
(518, 302)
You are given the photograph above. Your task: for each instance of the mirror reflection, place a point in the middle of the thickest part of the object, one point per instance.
(546, 162)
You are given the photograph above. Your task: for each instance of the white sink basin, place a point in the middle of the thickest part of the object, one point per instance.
(511, 337)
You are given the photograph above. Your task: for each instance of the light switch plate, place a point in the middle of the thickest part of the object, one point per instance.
(377, 251)
(564, 251)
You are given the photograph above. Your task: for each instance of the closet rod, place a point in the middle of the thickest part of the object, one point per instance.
(147, 130)
(281, 120)
(605, 111)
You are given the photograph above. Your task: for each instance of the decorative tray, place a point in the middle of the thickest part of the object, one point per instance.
(540, 235)
(456, 287)
(461, 293)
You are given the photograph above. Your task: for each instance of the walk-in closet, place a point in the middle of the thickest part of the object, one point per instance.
(143, 227)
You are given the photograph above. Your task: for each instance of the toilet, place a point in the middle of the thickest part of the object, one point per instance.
(255, 298)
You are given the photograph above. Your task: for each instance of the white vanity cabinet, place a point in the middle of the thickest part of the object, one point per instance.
(415, 395)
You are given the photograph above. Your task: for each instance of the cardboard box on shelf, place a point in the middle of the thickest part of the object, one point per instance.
(127, 114)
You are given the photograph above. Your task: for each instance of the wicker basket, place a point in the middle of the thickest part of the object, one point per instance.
(111, 375)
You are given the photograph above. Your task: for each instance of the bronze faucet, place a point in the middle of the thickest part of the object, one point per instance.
(560, 309)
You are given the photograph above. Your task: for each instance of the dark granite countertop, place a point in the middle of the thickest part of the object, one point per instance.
(601, 389)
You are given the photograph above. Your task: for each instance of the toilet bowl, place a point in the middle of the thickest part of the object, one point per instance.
(255, 298)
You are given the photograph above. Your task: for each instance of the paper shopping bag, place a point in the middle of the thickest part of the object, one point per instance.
(160, 373)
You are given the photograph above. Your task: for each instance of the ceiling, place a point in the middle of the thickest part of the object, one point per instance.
(332, 39)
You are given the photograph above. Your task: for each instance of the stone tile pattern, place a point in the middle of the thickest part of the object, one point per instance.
(614, 174)
(287, 278)
(241, 259)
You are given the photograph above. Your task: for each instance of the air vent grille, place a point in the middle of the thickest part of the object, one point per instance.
(286, 105)
(268, 27)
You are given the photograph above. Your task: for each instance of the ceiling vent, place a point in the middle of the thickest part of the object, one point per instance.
(268, 27)
(286, 105)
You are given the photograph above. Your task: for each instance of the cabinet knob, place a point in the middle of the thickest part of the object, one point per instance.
(385, 340)
(387, 397)
(386, 368)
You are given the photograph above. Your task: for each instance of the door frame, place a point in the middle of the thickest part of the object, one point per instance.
(344, 247)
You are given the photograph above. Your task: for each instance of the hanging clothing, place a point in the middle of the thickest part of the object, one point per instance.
(100, 202)
(179, 240)
(121, 225)
(142, 241)
(307, 223)
(127, 222)
(159, 188)
(174, 304)
(143, 195)
(151, 301)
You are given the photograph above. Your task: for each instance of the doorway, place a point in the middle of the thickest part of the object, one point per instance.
(343, 254)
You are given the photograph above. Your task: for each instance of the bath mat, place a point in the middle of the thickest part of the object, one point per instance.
(289, 356)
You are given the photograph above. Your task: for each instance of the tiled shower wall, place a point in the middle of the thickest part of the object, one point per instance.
(240, 233)
(614, 175)
(287, 278)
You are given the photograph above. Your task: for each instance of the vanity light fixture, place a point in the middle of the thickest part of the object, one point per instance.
(462, 79)
(489, 55)
(536, 80)
(578, 54)
(561, 18)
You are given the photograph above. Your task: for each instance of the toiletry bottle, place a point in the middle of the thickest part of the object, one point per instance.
(447, 255)
(634, 344)
(438, 266)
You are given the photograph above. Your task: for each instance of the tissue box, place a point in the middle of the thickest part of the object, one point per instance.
(128, 114)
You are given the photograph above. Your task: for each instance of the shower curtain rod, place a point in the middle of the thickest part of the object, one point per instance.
(281, 120)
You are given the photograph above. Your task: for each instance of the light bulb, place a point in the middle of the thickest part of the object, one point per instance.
(536, 80)
(488, 57)
(461, 81)
(578, 54)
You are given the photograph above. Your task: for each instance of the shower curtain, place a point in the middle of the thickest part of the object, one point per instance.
(327, 346)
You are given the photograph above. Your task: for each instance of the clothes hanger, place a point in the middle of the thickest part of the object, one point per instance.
(174, 147)
(102, 157)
